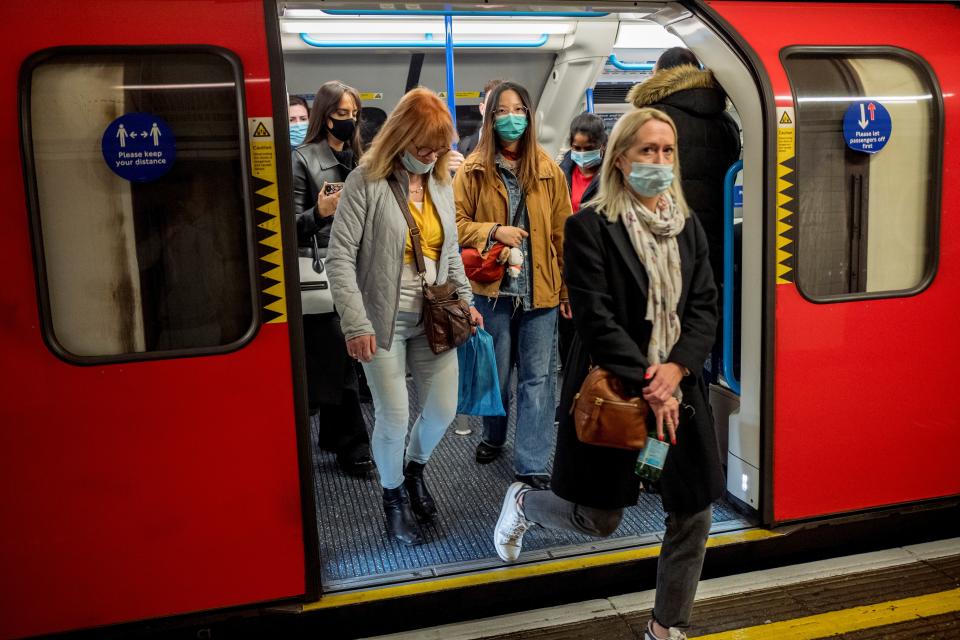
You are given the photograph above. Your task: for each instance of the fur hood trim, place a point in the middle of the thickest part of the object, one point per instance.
(669, 81)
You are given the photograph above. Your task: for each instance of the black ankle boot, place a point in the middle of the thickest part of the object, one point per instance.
(400, 521)
(420, 499)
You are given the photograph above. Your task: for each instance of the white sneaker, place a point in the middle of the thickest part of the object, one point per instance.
(675, 634)
(508, 536)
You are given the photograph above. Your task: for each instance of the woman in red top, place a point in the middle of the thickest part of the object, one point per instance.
(581, 164)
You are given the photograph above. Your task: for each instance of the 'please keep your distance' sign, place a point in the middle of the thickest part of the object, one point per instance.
(139, 147)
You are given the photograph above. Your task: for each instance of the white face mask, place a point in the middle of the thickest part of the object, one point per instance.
(649, 179)
(415, 166)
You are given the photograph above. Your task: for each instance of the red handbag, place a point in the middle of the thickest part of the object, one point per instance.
(483, 268)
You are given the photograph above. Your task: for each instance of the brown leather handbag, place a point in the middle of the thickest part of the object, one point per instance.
(446, 316)
(604, 416)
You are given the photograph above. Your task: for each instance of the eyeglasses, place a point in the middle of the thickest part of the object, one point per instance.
(517, 111)
(423, 152)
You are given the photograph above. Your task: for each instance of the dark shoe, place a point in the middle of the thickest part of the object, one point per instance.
(535, 481)
(359, 465)
(487, 453)
(401, 524)
(420, 499)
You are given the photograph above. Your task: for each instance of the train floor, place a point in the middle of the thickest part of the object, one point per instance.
(898, 594)
(355, 551)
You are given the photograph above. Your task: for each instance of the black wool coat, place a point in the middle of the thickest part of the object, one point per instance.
(608, 292)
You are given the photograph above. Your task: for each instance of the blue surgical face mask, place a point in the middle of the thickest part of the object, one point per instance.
(511, 126)
(650, 179)
(413, 165)
(586, 158)
(298, 132)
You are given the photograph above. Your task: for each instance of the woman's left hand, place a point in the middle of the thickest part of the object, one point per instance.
(665, 378)
(476, 319)
(565, 312)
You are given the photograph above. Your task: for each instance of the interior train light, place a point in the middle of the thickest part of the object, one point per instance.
(406, 27)
(645, 36)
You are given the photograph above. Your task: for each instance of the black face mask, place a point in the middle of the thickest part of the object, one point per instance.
(343, 130)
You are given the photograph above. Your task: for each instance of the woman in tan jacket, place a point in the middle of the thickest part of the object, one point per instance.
(511, 191)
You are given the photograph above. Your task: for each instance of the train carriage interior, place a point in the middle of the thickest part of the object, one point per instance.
(571, 61)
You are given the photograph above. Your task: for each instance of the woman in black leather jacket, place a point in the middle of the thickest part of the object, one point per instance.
(330, 151)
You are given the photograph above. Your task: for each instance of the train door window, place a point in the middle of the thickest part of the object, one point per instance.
(150, 257)
(866, 218)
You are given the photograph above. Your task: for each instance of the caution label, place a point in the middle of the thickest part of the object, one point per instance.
(263, 162)
(261, 131)
(371, 95)
(786, 194)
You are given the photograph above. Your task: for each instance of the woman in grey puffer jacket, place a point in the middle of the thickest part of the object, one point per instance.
(378, 293)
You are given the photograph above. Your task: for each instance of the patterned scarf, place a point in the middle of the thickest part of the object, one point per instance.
(654, 238)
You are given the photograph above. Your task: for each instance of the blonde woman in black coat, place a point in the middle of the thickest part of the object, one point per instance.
(644, 307)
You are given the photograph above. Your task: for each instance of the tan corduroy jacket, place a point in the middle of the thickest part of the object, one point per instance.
(480, 207)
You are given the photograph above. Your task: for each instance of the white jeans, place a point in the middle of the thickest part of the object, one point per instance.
(436, 378)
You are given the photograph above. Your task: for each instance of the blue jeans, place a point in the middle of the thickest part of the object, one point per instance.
(527, 340)
(436, 377)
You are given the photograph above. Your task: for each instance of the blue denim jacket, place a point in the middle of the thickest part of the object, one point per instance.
(520, 288)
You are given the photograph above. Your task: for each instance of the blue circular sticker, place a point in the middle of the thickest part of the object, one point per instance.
(139, 147)
(867, 126)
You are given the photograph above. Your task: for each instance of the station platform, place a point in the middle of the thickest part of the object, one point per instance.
(902, 593)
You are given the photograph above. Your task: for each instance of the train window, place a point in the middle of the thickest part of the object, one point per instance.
(149, 257)
(868, 197)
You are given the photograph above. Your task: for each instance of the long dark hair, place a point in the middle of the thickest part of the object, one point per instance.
(528, 165)
(325, 103)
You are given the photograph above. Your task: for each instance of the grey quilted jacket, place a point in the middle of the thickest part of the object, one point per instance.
(365, 255)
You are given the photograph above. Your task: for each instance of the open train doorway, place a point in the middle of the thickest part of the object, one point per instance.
(571, 60)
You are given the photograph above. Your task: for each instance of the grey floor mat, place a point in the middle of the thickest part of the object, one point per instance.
(355, 549)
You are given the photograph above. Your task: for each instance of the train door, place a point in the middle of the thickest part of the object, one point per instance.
(558, 56)
(861, 252)
(147, 412)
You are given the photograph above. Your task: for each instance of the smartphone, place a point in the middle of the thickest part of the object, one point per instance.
(332, 187)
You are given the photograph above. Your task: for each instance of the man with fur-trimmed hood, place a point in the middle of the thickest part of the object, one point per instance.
(708, 139)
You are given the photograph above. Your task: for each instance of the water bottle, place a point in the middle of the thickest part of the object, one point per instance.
(652, 458)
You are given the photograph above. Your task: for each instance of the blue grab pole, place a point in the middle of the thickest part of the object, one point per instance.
(589, 94)
(728, 283)
(451, 93)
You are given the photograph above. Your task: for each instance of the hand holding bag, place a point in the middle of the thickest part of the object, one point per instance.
(487, 267)
(446, 316)
(315, 294)
(605, 416)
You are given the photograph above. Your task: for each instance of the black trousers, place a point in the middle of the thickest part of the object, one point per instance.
(332, 386)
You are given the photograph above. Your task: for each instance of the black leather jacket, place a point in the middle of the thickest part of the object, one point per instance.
(314, 164)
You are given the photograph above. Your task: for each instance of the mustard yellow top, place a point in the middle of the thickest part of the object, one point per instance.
(431, 230)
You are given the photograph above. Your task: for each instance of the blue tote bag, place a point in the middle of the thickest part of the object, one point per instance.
(479, 384)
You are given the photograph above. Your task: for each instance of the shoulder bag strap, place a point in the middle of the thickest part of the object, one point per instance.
(411, 224)
(520, 205)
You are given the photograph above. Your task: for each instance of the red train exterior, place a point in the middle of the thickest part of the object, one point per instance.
(146, 489)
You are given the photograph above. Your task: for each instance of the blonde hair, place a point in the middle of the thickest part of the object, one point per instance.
(614, 196)
(420, 117)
